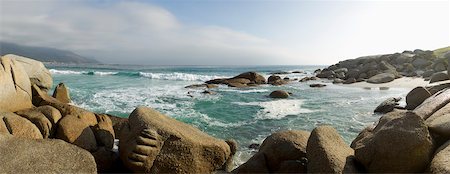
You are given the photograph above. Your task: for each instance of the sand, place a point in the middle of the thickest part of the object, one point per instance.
(404, 82)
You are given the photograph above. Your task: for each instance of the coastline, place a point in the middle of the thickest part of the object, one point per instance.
(404, 82)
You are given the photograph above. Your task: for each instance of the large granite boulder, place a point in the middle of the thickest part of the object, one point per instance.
(399, 143)
(433, 103)
(439, 122)
(381, 78)
(281, 152)
(416, 96)
(15, 93)
(439, 76)
(52, 114)
(104, 131)
(75, 131)
(154, 143)
(36, 71)
(328, 153)
(43, 156)
(441, 160)
(61, 93)
(279, 94)
(19, 126)
(40, 120)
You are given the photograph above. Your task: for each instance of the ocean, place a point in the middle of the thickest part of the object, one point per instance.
(246, 115)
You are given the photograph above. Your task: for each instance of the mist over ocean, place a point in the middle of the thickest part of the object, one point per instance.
(246, 115)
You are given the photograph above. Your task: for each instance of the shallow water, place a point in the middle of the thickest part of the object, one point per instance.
(245, 115)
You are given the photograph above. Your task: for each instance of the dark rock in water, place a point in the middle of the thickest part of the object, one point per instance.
(399, 137)
(279, 94)
(350, 81)
(286, 78)
(61, 93)
(388, 105)
(43, 156)
(254, 146)
(381, 78)
(208, 92)
(416, 96)
(317, 71)
(253, 77)
(337, 81)
(317, 85)
(202, 86)
(383, 88)
(237, 85)
(439, 76)
(275, 80)
(304, 79)
(326, 74)
(298, 72)
(217, 81)
(280, 72)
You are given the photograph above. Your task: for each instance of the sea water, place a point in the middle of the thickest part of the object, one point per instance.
(246, 115)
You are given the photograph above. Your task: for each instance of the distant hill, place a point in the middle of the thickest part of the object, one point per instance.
(442, 52)
(43, 54)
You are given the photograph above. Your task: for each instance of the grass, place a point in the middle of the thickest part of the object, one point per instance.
(441, 51)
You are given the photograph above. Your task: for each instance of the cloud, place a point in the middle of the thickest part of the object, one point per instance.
(131, 32)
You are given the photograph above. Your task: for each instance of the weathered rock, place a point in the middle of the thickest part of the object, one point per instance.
(326, 74)
(43, 156)
(40, 120)
(155, 143)
(36, 71)
(337, 81)
(387, 105)
(416, 97)
(439, 76)
(381, 78)
(304, 79)
(436, 88)
(75, 131)
(441, 161)
(239, 80)
(256, 164)
(439, 122)
(364, 133)
(118, 123)
(104, 132)
(237, 85)
(61, 93)
(275, 80)
(19, 126)
(15, 86)
(279, 94)
(52, 114)
(433, 103)
(208, 92)
(201, 86)
(317, 85)
(399, 137)
(350, 81)
(253, 77)
(328, 153)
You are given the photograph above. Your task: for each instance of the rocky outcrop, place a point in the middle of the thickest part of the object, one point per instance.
(154, 143)
(43, 156)
(276, 80)
(279, 94)
(416, 96)
(328, 153)
(387, 105)
(241, 80)
(40, 120)
(15, 86)
(61, 93)
(75, 131)
(399, 137)
(281, 152)
(36, 71)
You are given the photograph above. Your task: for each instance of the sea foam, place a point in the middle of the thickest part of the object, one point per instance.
(277, 109)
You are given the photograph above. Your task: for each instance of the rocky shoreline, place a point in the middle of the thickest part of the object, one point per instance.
(40, 133)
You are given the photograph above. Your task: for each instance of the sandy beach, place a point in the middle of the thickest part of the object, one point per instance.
(404, 82)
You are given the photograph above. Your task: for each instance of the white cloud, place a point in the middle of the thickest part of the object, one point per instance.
(131, 32)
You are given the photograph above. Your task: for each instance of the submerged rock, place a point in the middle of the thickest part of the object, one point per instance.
(317, 85)
(279, 94)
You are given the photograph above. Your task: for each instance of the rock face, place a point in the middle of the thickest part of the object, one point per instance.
(399, 137)
(155, 143)
(388, 105)
(416, 96)
(75, 131)
(439, 76)
(19, 126)
(36, 71)
(281, 152)
(381, 78)
(441, 161)
(43, 156)
(15, 86)
(40, 120)
(328, 153)
(61, 93)
(279, 94)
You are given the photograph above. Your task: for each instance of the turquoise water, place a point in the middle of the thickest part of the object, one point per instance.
(246, 115)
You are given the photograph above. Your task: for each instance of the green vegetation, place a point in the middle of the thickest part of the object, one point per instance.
(441, 51)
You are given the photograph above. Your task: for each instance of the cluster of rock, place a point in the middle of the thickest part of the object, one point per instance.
(46, 134)
(385, 68)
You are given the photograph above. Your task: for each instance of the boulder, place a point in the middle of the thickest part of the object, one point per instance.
(276, 80)
(75, 131)
(15, 86)
(104, 132)
(387, 105)
(279, 94)
(40, 120)
(328, 153)
(43, 156)
(154, 143)
(19, 126)
(364, 133)
(433, 103)
(439, 122)
(326, 74)
(256, 164)
(439, 76)
(337, 81)
(381, 78)
(416, 96)
(118, 123)
(317, 85)
(105, 159)
(201, 86)
(253, 77)
(441, 161)
(36, 71)
(433, 89)
(61, 93)
(350, 81)
(52, 114)
(421, 63)
(399, 137)
(239, 80)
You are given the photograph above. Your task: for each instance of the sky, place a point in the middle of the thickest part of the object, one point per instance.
(226, 32)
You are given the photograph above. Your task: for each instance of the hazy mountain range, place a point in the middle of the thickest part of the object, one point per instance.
(44, 54)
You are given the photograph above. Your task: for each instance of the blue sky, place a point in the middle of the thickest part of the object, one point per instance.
(227, 32)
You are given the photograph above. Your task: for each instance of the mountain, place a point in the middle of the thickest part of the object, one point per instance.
(44, 54)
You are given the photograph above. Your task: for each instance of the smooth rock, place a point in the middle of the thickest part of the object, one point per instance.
(439, 76)
(441, 161)
(253, 77)
(61, 93)
(40, 120)
(279, 94)
(75, 131)
(439, 122)
(36, 71)
(19, 126)
(416, 97)
(15, 93)
(381, 78)
(433, 103)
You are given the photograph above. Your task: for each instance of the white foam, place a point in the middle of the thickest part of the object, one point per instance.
(55, 71)
(178, 76)
(102, 73)
(277, 109)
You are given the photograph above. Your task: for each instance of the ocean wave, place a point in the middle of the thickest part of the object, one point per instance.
(277, 109)
(55, 71)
